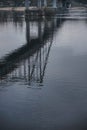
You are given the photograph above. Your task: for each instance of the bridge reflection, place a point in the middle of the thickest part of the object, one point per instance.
(27, 64)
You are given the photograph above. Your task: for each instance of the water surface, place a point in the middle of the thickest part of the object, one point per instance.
(43, 73)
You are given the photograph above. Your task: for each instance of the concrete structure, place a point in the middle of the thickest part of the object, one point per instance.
(45, 3)
(39, 3)
(54, 4)
(27, 4)
(41, 9)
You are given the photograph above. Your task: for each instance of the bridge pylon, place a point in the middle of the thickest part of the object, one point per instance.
(27, 4)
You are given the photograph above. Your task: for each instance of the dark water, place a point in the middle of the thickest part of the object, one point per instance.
(43, 72)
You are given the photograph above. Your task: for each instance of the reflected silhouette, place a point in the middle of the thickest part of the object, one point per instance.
(28, 63)
(15, 17)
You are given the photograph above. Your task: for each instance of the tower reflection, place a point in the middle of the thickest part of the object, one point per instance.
(27, 65)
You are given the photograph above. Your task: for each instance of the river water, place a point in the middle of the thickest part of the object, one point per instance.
(43, 72)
